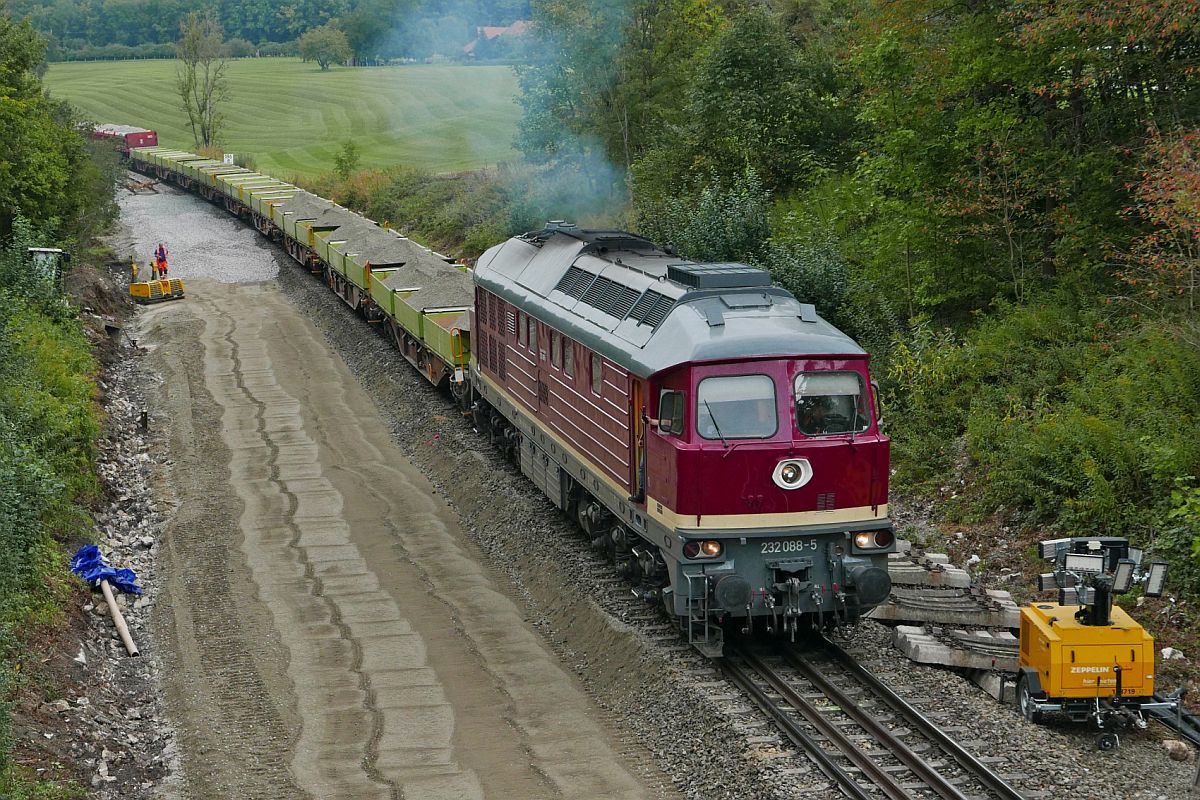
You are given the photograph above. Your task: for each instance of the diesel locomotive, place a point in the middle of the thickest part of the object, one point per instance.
(716, 437)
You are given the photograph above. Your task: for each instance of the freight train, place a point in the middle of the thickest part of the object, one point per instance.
(718, 439)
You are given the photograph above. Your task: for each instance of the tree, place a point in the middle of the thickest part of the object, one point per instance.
(346, 160)
(325, 45)
(758, 100)
(200, 75)
(45, 172)
(1162, 269)
(373, 27)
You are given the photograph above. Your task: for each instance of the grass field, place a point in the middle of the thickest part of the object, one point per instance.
(293, 118)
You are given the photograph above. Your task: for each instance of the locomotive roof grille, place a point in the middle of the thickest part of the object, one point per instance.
(610, 297)
(718, 276)
(648, 309)
(575, 282)
(651, 308)
(615, 299)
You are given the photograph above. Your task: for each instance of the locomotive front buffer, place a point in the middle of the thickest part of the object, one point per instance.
(1083, 656)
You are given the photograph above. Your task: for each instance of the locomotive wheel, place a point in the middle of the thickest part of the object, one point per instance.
(1108, 741)
(1025, 701)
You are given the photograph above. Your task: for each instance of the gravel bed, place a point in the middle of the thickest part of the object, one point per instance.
(232, 253)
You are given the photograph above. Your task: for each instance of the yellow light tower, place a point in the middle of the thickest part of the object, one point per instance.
(1083, 656)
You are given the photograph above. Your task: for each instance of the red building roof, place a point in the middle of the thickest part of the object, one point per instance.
(487, 33)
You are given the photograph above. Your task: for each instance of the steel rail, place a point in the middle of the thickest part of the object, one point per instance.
(980, 771)
(925, 771)
(825, 727)
(1185, 724)
(830, 768)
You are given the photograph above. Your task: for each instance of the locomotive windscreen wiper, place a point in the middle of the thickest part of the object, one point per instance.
(716, 427)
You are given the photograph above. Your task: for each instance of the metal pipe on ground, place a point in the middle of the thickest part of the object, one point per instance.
(118, 619)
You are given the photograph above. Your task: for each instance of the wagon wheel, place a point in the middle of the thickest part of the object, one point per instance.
(1108, 741)
(1025, 701)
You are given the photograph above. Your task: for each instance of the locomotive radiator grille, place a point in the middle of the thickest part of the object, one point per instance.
(651, 308)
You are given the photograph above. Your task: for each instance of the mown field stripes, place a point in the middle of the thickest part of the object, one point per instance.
(293, 118)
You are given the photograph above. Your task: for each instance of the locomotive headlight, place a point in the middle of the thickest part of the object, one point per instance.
(792, 473)
(871, 540)
(708, 548)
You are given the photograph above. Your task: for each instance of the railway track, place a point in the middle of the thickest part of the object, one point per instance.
(858, 732)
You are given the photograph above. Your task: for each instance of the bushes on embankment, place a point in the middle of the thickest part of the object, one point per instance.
(48, 428)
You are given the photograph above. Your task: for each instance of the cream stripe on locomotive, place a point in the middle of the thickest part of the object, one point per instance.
(657, 510)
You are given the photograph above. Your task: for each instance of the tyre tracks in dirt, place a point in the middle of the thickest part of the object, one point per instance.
(333, 633)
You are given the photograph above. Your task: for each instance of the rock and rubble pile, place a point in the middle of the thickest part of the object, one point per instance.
(115, 711)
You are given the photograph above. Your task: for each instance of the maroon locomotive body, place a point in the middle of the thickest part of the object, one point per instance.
(715, 435)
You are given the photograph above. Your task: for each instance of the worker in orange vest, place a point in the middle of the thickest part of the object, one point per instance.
(160, 259)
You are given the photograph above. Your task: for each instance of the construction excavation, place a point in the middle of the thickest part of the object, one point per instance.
(332, 611)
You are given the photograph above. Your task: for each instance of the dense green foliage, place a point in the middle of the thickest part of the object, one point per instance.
(48, 419)
(48, 425)
(294, 118)
(376, 29)
(46, 172)
(1002, 200)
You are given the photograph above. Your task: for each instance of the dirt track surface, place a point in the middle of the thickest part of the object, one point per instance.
(332, 631)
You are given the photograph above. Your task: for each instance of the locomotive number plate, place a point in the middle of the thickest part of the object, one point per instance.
(788, 546)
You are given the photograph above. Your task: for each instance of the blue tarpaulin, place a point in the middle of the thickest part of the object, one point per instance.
(89, 564)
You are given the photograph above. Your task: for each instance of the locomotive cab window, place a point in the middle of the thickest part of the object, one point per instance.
(831, 402)
(670, 411)
(736, 407)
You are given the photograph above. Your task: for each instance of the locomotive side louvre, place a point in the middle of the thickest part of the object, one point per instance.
(593, 416)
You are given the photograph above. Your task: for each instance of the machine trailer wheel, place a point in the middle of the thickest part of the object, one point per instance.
(1108, 741)
(1025, 701)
